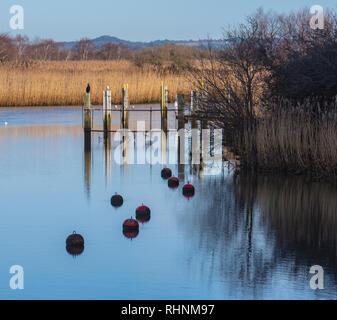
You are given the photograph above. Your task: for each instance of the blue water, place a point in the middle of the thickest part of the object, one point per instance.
(240, 237)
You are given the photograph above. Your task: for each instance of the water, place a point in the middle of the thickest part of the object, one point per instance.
(240, 237)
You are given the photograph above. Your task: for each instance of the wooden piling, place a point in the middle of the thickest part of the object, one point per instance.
(164, 106)
(106, 111)
(125, 106)
(87, 123)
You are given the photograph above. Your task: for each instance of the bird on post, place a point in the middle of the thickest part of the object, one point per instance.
(88, 88)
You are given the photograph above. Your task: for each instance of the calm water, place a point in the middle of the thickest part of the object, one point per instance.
(240, 237)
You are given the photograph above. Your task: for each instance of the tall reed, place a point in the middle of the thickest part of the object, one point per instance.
(297, 140)
(63, 83)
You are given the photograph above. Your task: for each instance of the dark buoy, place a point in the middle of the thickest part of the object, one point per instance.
(188, 190)
(166, 173)
(117, 200)
(173, 183)
(75, 251)
(75, 244)
(130, 225)
(143, 214)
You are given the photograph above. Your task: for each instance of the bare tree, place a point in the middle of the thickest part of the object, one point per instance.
(21, 43)
(112, 51)
(305, 63)
(231, 81)
(7, 48)
(84, 49)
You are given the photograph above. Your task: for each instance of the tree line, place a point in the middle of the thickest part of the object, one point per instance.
(20, 48)
(274, 93)
(268, 58)
(166, 58)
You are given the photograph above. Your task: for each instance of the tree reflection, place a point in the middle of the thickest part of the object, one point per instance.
(253, 231)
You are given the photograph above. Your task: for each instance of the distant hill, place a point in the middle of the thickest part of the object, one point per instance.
(140, 45)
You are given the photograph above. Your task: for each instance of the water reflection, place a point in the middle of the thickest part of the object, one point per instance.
(261, 234)
(154, 147)
(87, 170)
(239, 237)
(107, 159)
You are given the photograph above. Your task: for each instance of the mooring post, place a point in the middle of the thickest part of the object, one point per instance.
(125, 106)
(164, 106)
(106, 111)
(194, 108)
(87, 121)
(181, 111)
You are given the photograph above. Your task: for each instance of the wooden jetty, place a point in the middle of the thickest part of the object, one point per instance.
(197, 119)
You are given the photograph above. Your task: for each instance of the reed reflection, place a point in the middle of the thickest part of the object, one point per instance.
(255, 230)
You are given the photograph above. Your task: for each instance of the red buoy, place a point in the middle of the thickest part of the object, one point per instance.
(143, 214)
(188, 190)
(130, 225)
(131, 234)
(166, 173)
(75, 244)
(117, 200)
(173, 183)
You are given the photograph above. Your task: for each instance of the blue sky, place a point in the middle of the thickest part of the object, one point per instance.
(141, 20)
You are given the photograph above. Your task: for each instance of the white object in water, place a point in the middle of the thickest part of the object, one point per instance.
(6, 123)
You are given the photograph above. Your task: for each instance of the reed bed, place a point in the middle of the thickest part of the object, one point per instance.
(293, 140)
(47, 83)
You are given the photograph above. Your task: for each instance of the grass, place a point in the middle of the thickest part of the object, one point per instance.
(62, 83)
(293, 141)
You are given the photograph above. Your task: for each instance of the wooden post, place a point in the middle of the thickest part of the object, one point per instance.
(194, 108)
(87, 121)
(106, 111)
(150, 118)
(125, 106)
(181, 111)
(164, 106)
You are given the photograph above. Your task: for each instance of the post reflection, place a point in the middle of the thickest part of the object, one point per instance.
(87, 165)
(158, 148)
(107, 158)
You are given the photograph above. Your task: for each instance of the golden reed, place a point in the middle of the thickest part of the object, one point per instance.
(292, 141)
(62, 83)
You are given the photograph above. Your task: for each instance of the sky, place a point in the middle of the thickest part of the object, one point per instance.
(139, 20)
